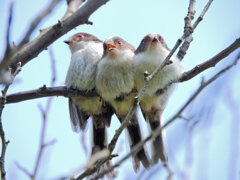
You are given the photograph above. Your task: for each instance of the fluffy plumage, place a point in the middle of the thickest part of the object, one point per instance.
(115, 82)
(87, 50)
(149, 55)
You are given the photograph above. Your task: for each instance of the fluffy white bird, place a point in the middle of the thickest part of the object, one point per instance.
(115, 82)
(87, 50)
(149, 55)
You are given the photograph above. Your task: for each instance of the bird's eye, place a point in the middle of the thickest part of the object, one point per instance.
(80, 35)
(119, 42)
(161, 39)
(104, 46)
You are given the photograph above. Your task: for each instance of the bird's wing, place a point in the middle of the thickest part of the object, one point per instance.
(78, 117)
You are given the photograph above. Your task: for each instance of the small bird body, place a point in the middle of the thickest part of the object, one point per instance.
(87, 50)
(150, 54)
(115, 82)
(81, 75)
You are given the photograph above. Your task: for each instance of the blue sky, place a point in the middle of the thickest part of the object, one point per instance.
(211, 139)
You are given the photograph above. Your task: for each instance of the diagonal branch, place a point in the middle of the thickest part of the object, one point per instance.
(8, 46)
(211, 62)
(156, 132)
(37, 21)
(205, 65)
(72, 7)
(187, 27)
(30, 30)
(49, 35)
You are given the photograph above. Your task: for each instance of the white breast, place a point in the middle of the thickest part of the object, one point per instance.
(149, 62)
(115, 77)
(82, 70)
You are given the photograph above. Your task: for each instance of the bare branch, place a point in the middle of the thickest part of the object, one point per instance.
(200, 18)
(156, 132)
(63, 91)
(94, 168)
(2, 133)
(45, 113)
(72, 7)
(202, 86)
(51, 34)
(38, 20)
(8, 46)
(205, 65)
(211, 62)
(46, 92)
(23, 169)
(26, 38)
(188, 27)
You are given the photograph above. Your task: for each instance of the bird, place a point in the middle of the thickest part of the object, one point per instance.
(86, 51)
(149, 55)
(115, 84)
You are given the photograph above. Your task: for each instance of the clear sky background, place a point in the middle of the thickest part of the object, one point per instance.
(209, 151)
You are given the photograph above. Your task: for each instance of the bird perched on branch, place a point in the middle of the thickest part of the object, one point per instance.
(150, 54)
(115, 82)
(87, 50)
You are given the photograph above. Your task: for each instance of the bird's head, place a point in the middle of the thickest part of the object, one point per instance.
(151, 42)
(117, 47)
(80, 41)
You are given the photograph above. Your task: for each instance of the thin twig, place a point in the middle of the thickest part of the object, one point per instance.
(6, 59)
(9, 27)
(45, 113)
(96, 166)
(156, 132)
(23, 169)
(188, 25)
(2, 133)
(205, 65)
(72, 7)
(52, 33)
(35, 23)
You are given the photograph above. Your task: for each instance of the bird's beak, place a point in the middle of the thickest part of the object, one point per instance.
(111, 47)
(155, 40)
(67, 42)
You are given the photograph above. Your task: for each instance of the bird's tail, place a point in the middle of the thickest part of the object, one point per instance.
(100, 122)
(158, 144)
(135, 137)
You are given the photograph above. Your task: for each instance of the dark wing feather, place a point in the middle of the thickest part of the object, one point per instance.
(78, 117)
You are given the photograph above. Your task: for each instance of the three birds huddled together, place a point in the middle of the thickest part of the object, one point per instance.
(116, 71)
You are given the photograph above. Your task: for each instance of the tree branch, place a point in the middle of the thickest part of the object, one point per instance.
(188, 25)
(211, 62)
(2, 133)
(46, 92)
(63, 91)
(205, 65)
(8, 46)
(26, 38)
(156, 132)
(72, 7)
(37, 21)
(49, 35)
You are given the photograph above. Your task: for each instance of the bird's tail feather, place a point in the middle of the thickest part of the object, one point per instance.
(135, 137)
(158, 144)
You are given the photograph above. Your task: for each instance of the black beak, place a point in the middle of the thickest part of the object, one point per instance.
(67, 42)
(155, 39)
